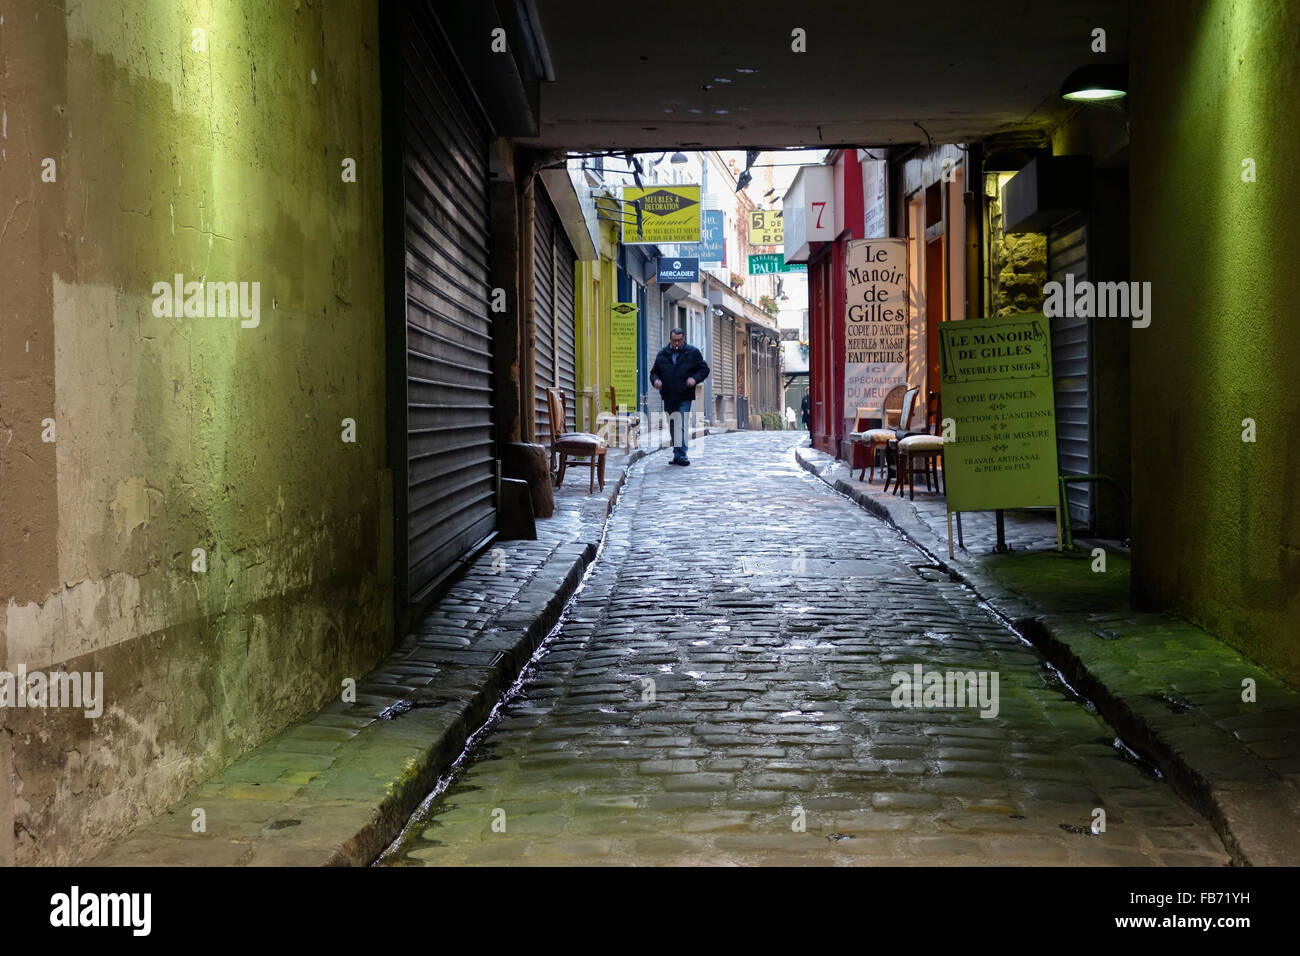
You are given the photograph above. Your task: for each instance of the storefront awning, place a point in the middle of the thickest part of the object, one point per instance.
(720, 297)
(684, 295)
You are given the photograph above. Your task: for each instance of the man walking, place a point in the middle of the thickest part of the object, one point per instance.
(678, 368)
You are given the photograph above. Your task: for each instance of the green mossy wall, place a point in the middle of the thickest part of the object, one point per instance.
(222, 163)
(1216, 519)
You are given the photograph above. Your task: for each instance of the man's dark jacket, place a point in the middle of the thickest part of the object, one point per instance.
(690, 364)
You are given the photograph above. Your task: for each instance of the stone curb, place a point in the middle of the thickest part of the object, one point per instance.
(1255, 812)
(351, 810)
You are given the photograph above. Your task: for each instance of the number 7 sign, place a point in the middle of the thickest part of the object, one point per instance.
(810, 213)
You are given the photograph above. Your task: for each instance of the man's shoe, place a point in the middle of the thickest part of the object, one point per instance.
(683, 461)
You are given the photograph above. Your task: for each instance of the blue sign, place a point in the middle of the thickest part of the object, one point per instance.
(712, 247)
(679, 269)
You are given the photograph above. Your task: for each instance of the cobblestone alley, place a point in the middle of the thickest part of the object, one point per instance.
(720, 692)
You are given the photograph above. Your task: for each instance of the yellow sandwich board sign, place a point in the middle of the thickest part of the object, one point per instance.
(667, 214)
(998, 394)
(766, 227)
(622, 352)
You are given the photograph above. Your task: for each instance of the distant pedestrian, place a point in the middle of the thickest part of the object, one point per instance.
(805, 408)
(678, 368)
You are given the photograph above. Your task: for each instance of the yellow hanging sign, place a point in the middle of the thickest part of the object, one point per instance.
(766, 227)
(666, 214)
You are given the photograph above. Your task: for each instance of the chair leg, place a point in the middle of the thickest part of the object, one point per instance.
(591, 477)
(911, 479)
(559, 478)
(600, 471)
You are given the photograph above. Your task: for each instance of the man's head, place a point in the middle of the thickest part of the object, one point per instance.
(676, 339)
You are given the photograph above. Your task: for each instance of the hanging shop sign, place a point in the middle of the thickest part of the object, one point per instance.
(770, 263)
(874, 202)
(713, 245)
(679, 269)
(622, 349)
(711, 250)
(809, 208)
(667, 214)
(875, 321)
(998, 392)
(766, 227)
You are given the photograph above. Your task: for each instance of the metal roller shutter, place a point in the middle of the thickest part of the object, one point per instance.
(566, 333)
(450, 488)
(660, 318)
(543, 310)
(1067, 253)
(722, 366)
(727, 336)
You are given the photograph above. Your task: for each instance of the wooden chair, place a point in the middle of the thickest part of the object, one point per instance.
(891, 417)
(892, 434)
(928, 447)
(571, 446)
(628, 425)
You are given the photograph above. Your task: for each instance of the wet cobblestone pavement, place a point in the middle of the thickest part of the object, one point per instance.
(720, 692)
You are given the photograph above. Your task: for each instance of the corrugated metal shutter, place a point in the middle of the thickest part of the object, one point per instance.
(726, 335)
(724, 364)
(657, 330)
(451, 502)
(1067, 253)
(543, 310)
(566, 332)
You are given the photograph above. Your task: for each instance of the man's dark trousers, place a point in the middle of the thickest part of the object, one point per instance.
(679, 421)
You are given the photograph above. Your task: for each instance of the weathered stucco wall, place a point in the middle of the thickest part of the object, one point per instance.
(1217, 520)
(222, 164)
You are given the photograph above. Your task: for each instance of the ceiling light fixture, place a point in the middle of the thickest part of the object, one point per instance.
(1096, 83)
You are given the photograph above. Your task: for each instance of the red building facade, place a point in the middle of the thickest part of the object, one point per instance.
(826, 304)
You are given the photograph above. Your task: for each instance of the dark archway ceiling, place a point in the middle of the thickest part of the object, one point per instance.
(629, 76)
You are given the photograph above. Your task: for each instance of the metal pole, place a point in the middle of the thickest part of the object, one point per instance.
(1002, 532)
